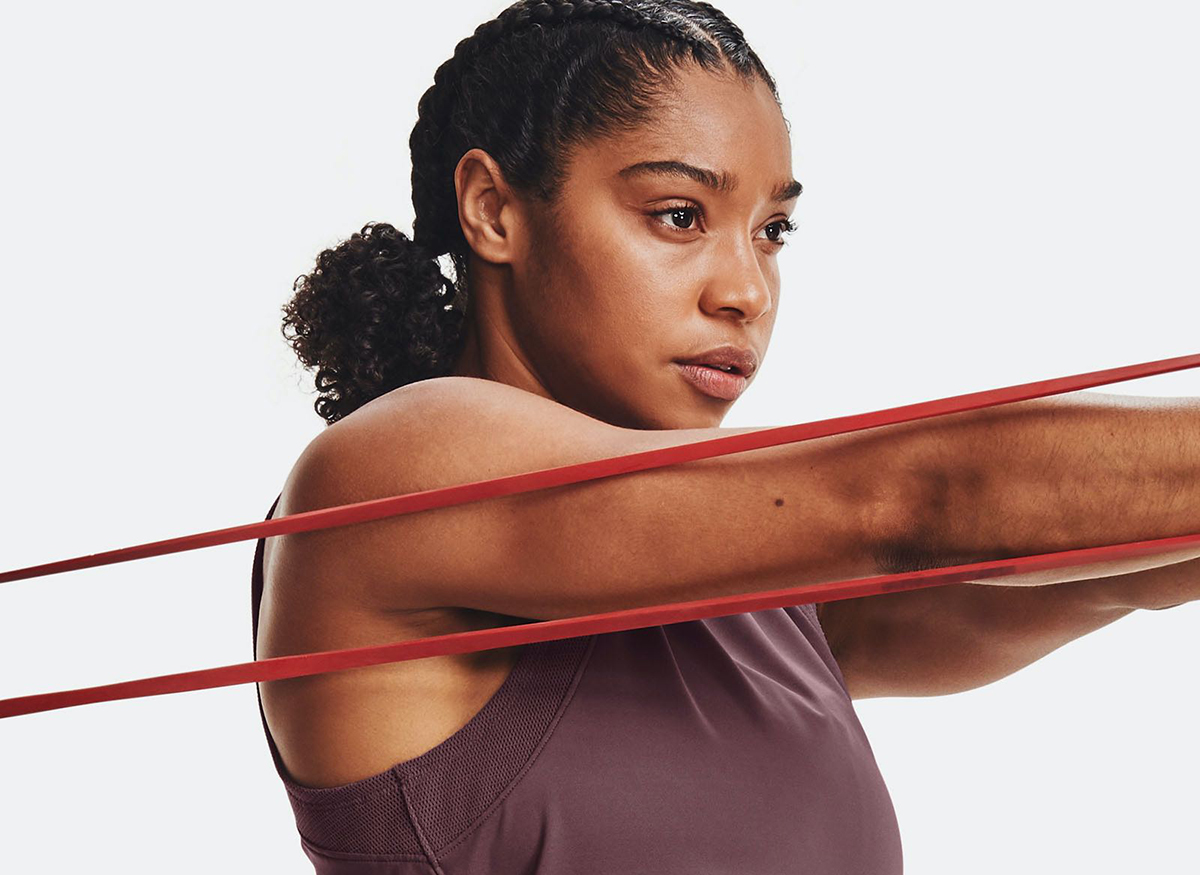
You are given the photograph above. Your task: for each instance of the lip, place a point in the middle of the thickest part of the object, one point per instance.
(712, 382)
(743, 361)
(703, 371)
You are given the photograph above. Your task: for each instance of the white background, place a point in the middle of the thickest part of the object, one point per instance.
(995, 193)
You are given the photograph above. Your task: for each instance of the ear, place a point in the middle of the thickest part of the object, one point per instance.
(488, 209)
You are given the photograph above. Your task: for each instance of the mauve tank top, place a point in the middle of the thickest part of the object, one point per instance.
(727, 746)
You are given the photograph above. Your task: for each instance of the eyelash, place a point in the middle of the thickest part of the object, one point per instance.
(787, 226)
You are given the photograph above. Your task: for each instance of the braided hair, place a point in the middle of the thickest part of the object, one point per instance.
(376, 312)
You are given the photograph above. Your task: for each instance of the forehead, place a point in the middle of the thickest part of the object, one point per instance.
(718, 121)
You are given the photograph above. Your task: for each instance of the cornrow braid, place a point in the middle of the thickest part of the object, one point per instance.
(438, 228)
(527, 87)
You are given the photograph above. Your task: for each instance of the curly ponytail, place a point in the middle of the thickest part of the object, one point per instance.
(543, 76)
(375, 312)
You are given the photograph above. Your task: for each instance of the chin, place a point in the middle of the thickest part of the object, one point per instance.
(667, 409)
(711, 419)
(703, 416)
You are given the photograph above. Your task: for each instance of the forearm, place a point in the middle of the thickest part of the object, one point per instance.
(1153, 589)
(1049, 475)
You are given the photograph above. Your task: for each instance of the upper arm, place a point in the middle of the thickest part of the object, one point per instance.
(744, 522)
(949, 639)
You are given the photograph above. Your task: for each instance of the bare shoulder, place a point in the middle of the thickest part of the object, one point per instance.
(439, 432)
(426, 435)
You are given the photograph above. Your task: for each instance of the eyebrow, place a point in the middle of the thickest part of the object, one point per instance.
(722, 182)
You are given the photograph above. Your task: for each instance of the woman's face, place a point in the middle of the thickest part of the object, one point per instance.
(661, 248)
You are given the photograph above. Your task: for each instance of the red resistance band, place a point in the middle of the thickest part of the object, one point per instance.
(300, 665)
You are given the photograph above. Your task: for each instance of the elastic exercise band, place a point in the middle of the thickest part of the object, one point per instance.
(464, 642)
(378, 508)
(300, 665)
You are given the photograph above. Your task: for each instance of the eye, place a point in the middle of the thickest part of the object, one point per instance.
(780, 228)
(679, 217)
(683, 218)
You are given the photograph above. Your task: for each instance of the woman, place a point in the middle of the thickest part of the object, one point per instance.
(612, 183)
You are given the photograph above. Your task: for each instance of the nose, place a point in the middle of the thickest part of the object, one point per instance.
(737, 287)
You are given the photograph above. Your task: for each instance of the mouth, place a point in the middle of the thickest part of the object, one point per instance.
(723, 382)
(722, 373)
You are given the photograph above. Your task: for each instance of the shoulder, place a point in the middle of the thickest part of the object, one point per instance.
(440, 432)
(434, 433)
(425, 410)
(407, 440)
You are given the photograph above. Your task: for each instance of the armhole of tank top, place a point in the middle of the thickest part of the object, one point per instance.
(427, 805)
(455, 785)
(256, 590)
(822, 645)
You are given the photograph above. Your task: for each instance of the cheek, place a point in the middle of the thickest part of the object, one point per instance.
(620, 290)
(652, 286)
(621, 299)
(640, 313)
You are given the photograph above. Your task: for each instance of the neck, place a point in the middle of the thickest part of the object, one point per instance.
(490, 353)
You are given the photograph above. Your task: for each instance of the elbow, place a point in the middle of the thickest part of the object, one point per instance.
(908, 530)
(930, 508)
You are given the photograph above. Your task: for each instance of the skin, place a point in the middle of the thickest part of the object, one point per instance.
(592, 301)
(577, 314)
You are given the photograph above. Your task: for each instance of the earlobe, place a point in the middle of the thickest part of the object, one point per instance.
(487, 209)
